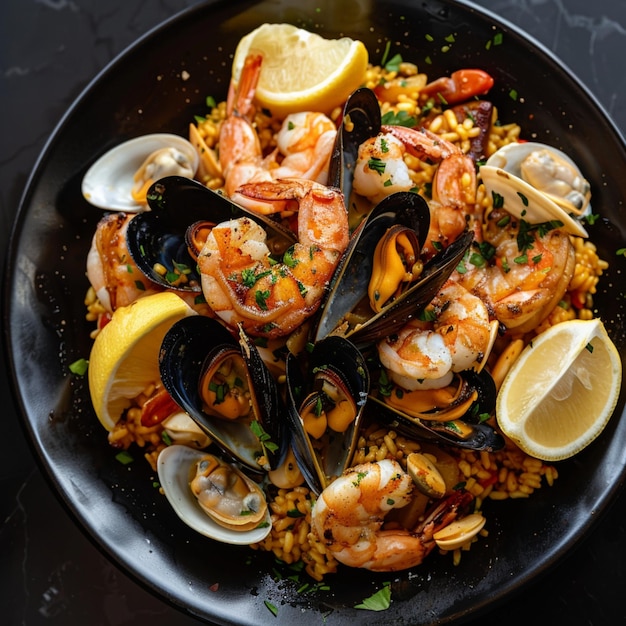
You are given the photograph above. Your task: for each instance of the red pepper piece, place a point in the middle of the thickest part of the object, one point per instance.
(158, 408)
(459, 86)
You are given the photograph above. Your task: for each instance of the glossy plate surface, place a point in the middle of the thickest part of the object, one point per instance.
(157, 86)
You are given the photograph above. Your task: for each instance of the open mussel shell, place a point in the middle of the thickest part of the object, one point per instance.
(336, 362)
(176, 467)
(526, 177)
(108, 183)
(407, 306)
(361, 120)
(186, 352)
(394, 316)
(158, 238)
(469, 431)
(351, 278)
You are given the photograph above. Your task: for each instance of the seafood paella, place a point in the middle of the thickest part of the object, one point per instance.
(359, 282)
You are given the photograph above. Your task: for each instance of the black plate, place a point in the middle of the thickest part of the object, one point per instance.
(144, 91)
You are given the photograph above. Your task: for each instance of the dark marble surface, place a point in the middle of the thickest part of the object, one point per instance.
(51, 573)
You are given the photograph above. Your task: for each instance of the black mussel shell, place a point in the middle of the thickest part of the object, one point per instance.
(186, 351)
(395, 315)
(482, 435)
(158, 235)
(361, 120)
(351, 278)
(322, 461)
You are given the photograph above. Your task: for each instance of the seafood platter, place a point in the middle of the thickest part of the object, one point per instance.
(325, 430)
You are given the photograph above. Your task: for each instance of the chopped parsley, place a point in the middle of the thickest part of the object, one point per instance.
(79, 367)
(377, 165)
(124, 457)
(261, 296)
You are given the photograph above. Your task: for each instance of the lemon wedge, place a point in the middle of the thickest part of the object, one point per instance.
(561, 391)
(302, 71)
(124, 358)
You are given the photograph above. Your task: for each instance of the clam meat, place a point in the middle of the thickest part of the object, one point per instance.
(213, 497)
(119, 179)
(538, 183)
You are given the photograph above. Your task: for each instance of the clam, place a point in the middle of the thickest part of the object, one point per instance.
(225, 387)
(231, 508)
(118, 180)
(326, 392)
(181, 429)
(459, 532)
(164, 241)
(538, 183)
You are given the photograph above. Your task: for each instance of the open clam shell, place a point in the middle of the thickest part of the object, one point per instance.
(158, 238)
(337, 369)
(176, 467)
(256, 439)
(109, 182)
(506, 175)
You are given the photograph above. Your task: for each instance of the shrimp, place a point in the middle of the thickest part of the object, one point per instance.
(526, 274)
(381, 170)
(111, 271)
(115, 278)
(349, 514)
(244, 286)
(425, 355)
(305, 141)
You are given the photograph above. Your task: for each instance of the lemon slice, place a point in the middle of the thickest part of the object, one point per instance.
(302, 71)
(561, 391)
(124, 358)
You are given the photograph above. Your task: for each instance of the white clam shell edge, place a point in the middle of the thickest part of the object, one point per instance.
(501, 174)
(107, 184)
(173, 469)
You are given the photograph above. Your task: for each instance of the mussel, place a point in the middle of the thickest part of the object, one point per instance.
(118, 180)
(231, 508)
(538, 183)
(460, 422)
(352, 279)
(227, 389)
(326, 393)
(361, 120)
(163, 241)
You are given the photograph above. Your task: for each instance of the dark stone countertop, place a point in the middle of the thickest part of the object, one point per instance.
(51, 573)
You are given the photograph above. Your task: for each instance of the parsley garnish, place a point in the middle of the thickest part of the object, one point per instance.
(379, 601)
(261, 296)
(263, 437)
(124, 457)
(272, 608)
(393, 65)
(400, 118)
(498, 200)
(79, 367)
(376, 164)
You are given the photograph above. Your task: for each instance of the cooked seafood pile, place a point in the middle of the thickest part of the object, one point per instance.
(336, 293)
